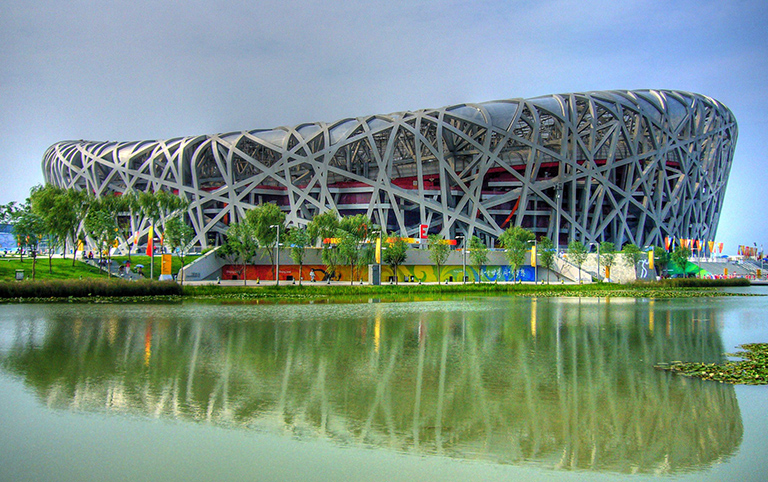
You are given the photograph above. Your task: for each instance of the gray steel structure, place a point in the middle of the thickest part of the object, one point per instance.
(620, 166)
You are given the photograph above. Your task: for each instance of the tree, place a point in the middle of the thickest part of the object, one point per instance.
(127, 208)
(298, 239)
(79, 203)
(43, 201)
(347, 251)
(607, 257)
(262, 221)
(9, 214)
(395, 254)
(101, 226)
(438, 252)
(353, 230)
(179, 234)
(322, 227)
(661, 259)
(63, 211)
(547, 254)
(515, 241)
(680, 257)
(632, 255)
(577, 254)
(158, 207)
(240, 240)
(29, 229)
(6, 212)
(478, 255)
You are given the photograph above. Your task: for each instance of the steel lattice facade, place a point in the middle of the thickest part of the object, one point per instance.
(621, 166)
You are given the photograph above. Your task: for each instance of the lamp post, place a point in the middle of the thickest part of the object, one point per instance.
(463, 258)
(598, 259)
(277, 254)
(558, 195)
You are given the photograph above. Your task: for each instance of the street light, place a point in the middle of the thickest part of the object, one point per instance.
(463, 258)
(277, 254)
(598, 259)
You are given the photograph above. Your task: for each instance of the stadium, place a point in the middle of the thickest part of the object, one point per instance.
(621, 166)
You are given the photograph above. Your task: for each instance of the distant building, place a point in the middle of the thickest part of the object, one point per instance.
(621, 166)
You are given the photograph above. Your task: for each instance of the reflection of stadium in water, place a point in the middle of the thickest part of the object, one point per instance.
(561, 383)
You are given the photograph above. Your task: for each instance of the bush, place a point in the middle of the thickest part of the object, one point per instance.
(87, 288)
(697, 283)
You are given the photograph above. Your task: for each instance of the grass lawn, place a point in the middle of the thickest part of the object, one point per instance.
(61, 269)
(144, 259)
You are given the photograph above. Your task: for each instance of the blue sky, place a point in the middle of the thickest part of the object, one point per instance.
(158, 69)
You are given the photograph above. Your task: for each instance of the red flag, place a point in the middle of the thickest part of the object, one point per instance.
(666, 243)
(721, 247)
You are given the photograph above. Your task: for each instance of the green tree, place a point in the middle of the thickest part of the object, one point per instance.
(660, 259)
(347, 251)
(680, 257)
(547, 254)
(352, 232)
(577, 254)
(395, 254)
(322, 227)
(6, 212)
(607, 256)
(299, 240)
(515, 240)
(101, 226)
(158, 207)
(63, 211)
(29, 229)
(179, 234)
(79, 202)
(240, 241)
(438, 252)
(478, 255)
(42, 200)
(632, 255)
(261, 220)
(128, 210)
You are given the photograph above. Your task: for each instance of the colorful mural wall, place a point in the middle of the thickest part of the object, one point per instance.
(414, 273)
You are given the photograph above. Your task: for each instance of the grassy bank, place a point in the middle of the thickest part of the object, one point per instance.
(145, 260)
(61, 269)
(88, 288)
(661, 289)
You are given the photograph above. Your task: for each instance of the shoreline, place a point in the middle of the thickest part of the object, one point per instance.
(167, 291)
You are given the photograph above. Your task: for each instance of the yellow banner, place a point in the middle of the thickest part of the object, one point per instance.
(378, 250)
(533, 256)
(650, 259)
(165, 266)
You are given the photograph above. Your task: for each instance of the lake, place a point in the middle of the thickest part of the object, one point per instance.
(462, 388)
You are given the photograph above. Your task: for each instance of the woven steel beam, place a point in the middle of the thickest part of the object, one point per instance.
(620, 166)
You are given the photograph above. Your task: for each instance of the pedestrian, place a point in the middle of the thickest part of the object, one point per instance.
(312, 275)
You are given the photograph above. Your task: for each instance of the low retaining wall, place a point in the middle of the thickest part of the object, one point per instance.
(423, 273)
